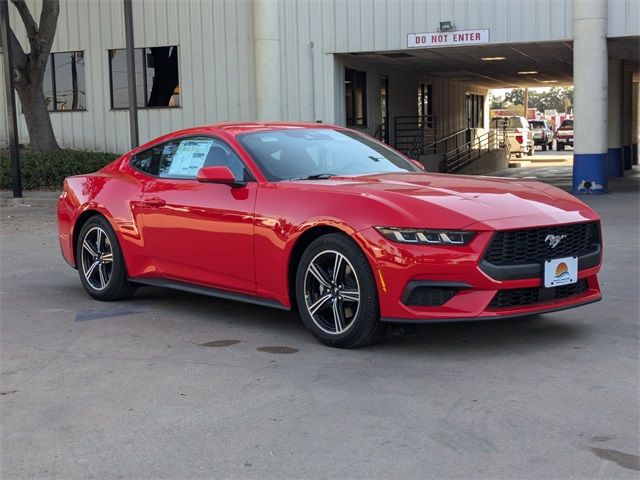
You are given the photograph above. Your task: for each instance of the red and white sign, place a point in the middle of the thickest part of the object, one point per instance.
(447, 39)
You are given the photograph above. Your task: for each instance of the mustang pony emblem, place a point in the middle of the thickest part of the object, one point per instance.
(554, 240)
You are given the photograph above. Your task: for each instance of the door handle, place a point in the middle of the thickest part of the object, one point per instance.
(154, 202)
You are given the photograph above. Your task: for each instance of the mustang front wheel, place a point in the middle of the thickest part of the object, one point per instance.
(337, 294)
(100, 263)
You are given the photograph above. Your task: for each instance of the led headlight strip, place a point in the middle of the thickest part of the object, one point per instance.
(426, 237)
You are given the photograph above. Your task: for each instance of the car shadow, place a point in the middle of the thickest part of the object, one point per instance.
(477, 337)
(491, 337)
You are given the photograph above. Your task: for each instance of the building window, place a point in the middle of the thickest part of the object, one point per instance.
(355, 94)
(475, 110)
(425, 104)
(157, 81)
(64, 83)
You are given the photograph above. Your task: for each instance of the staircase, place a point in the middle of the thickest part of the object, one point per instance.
(413, 133)
(461, 150)
(415, 136)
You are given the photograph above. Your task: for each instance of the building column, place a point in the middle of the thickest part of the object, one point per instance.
(266, 34)
(635, 104)
(627, 123)
(590, 96)
(614, 166)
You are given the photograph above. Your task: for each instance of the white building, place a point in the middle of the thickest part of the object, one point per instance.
(349, 62)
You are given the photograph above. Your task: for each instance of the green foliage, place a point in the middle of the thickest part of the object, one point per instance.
(557, 98)
(516, 96)
(42, 171)
(496, 102)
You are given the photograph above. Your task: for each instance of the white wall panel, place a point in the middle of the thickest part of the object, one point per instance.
(623, 18)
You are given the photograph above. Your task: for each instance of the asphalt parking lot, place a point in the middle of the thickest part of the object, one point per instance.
(174, 385)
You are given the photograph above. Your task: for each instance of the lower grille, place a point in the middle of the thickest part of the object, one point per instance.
(518, 297)
(430, 296)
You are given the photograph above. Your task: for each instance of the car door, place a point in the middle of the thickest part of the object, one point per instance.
(200, 232)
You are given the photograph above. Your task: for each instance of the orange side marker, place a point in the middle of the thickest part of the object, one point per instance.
(382, 282)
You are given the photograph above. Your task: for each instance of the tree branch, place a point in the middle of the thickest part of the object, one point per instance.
(28, 21)
(19, 59)
(17, 53)
(48, 23)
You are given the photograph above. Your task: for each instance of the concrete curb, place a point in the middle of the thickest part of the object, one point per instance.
(29, 199)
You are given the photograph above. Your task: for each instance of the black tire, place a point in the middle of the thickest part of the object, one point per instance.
(530, 151)
(100, 262)
(318, 286)
(550, 145)
(560, 147)
(518, 155)
(544, 147)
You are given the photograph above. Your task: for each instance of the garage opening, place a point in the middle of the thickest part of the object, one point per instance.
(437, 104)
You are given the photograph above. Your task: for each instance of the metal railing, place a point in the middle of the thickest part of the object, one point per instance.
(382, 133)
(413, 133)
(445, 143)
(463, 155)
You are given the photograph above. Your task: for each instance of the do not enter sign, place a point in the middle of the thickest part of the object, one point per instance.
(444, 39)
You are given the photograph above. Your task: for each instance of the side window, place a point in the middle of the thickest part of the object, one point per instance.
(148, 161)
(183, 158)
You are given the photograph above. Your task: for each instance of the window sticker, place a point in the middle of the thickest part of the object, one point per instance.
(189, 158)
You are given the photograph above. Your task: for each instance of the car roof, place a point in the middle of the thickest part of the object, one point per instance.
(237, 128)
(233, 129)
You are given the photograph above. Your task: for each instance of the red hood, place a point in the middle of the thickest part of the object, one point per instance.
(458, 201)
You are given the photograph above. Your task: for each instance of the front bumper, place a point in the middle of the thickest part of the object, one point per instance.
(397, 267)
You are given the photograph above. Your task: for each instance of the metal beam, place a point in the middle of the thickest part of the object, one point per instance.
(10, 99)
(131, 73)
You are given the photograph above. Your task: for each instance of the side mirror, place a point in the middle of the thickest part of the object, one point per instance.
(418, 164)
(219, 174)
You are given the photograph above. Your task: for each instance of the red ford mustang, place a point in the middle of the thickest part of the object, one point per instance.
(328, 221)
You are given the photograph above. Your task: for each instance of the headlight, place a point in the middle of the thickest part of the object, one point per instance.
(426, 237)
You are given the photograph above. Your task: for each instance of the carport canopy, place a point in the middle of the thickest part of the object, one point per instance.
(514, 65)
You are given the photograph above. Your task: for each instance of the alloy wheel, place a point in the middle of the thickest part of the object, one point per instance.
(332, 292)
(97, 258)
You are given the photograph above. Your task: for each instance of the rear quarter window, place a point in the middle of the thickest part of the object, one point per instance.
(148, 161)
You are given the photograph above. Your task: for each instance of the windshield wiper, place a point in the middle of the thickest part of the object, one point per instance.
(317, 176)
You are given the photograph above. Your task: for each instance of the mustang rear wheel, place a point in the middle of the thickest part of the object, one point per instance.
(100, 263)
(337, 294)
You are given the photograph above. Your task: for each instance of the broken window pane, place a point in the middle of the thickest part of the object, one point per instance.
(157, 81)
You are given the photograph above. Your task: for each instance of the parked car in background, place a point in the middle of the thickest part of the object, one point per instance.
(542, 134)
(518, 133)
(564, 135)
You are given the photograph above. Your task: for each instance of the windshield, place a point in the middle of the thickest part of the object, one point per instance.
(567, 123)
(537, 124)
(302, 152)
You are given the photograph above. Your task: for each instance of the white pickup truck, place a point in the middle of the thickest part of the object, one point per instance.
(518, 132)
